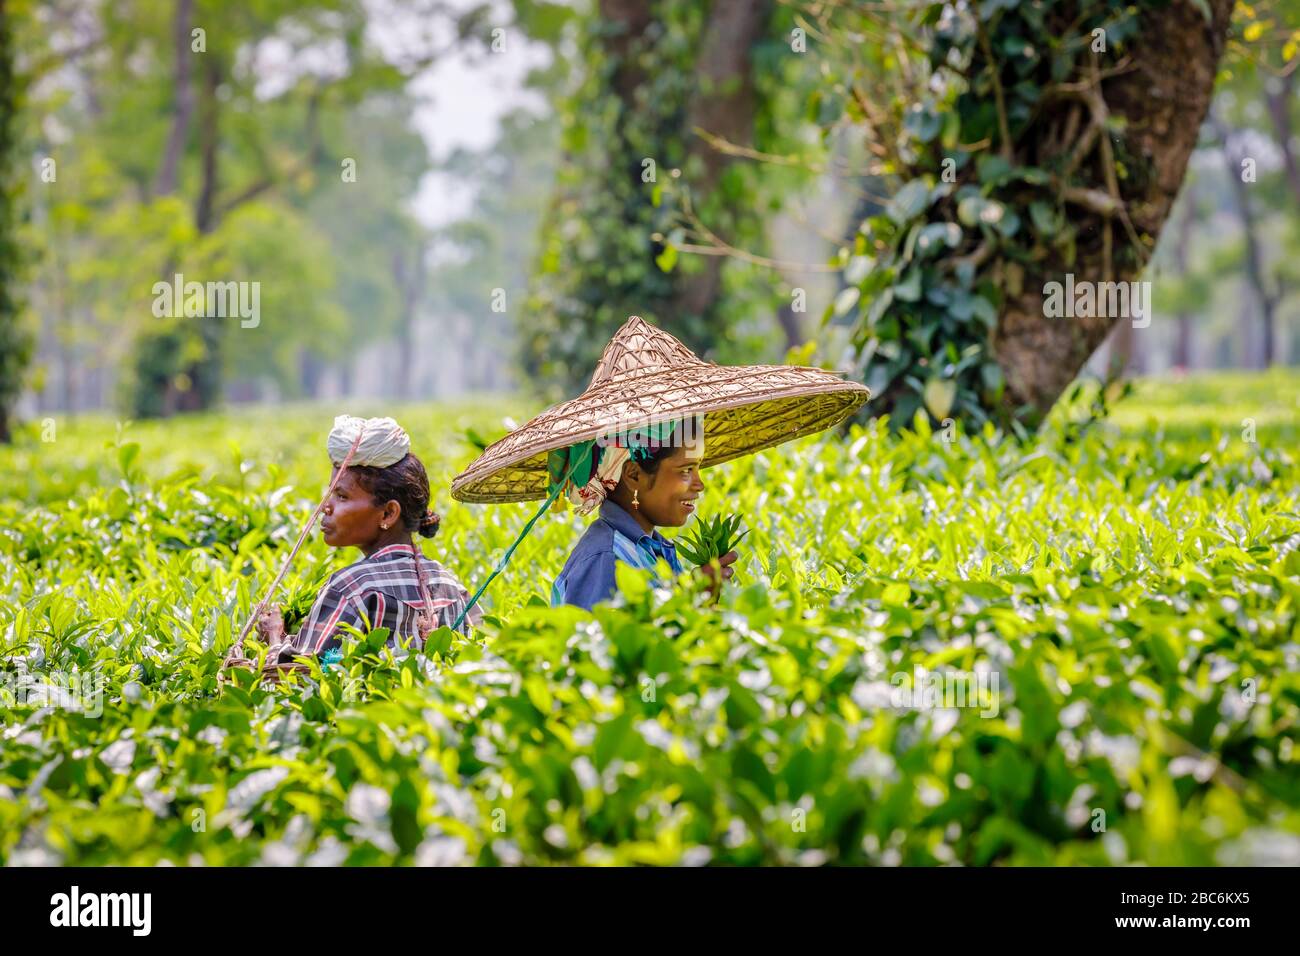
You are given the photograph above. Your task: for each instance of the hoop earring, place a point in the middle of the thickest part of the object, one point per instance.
(635, 503)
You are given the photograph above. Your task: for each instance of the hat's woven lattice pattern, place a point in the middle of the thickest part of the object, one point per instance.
(646, 375)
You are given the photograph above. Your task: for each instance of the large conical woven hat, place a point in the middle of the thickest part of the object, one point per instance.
(647, 376)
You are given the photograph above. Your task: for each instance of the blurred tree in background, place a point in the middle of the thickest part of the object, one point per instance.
(496, 241)
(15, 338)
(668, 93)
(916, 172)
(263, 142)
(247, 159)
(1236, 258)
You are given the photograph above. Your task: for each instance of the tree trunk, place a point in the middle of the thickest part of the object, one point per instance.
(410, 281)
(1265, 297)
(160, 388)
(310, 370)
(68, 369)
(723, 107)
(1120, 361)
(1161, 103)
(15, 341)
(630, 20)
(169, 171)
(1278, 95)
(721, 101)
(1183, 330)
(791, 328)
(205, 375)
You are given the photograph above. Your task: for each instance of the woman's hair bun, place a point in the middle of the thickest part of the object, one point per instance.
(429, 524)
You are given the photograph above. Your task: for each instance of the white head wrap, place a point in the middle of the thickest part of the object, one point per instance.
(383, 441)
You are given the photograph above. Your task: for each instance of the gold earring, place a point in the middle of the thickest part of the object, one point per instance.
(635, 503)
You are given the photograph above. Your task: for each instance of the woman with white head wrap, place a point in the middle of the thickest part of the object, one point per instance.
(378, 496)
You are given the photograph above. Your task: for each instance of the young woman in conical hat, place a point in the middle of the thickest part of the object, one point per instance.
(646, 376)
(641, 480)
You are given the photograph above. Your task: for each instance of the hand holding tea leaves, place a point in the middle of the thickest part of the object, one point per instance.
(711, 545)
(719, 569)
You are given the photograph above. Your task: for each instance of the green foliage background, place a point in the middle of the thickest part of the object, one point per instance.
(1133, 587)
(279, 212)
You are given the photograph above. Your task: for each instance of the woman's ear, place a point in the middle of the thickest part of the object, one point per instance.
(631, 471)
(392, 514)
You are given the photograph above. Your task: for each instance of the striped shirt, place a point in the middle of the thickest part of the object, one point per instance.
(380, 591)
(588, 575)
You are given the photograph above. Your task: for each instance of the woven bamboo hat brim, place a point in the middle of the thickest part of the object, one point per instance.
(647, 376)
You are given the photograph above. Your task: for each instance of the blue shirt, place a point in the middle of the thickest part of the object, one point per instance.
(588, 575)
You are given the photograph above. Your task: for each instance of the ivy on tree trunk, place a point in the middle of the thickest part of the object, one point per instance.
(655, 74)
(1046, 145)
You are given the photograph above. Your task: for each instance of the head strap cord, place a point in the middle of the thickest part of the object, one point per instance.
(578, 462)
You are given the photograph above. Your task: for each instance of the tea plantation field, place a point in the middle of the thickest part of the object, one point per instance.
(1126, 596)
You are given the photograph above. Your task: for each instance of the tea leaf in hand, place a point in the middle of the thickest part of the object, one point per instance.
(710, 539)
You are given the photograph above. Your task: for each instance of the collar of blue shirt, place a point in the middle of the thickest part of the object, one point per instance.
(627, 526)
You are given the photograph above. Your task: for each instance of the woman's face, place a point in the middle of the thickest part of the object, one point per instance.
(667, 498)
(350, 517)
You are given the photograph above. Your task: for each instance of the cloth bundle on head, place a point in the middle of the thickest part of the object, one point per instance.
(383, 441)
(599, 462)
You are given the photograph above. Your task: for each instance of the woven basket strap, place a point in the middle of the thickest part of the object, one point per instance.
(426, 617)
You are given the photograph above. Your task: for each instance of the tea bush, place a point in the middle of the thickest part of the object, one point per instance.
(1126, 591)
